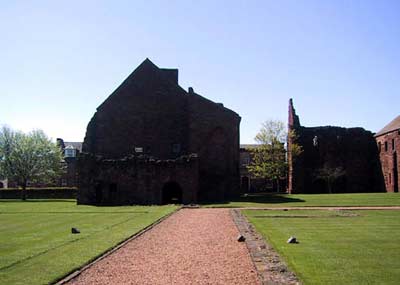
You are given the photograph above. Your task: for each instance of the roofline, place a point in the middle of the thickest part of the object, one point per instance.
(382, 134)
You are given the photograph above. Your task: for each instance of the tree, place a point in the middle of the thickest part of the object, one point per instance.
(329, 175)
(28, 157)
(268, 159)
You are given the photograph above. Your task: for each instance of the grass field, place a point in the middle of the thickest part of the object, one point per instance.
(307, 200)
(36, 244)
(336, 247)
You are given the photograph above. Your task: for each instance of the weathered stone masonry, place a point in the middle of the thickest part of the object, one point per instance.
(388, 140)
(352, 149)
(150, 137)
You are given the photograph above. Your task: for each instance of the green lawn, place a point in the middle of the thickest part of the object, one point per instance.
(335, 247)
(307, 200)
(36, 244)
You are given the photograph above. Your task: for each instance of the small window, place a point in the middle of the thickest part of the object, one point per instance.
(69, 151)
(386, 146)
(315, 141)
(392, 144)
(246, 160)
(176, 148)
(379, 146)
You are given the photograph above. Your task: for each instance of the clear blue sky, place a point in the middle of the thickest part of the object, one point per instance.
(339, 60)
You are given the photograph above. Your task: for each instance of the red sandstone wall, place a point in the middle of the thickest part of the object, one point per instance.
(149, 110)
(351, 149)
(390, 161)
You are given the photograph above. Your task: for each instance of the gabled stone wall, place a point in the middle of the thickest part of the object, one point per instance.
(150, 114)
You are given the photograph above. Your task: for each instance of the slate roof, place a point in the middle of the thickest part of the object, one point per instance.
(392, 126)
(76, 145)
(249, 145)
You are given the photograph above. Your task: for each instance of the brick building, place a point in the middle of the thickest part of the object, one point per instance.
(326, 149)
(70, 151)
(152, 142)
(388, 141)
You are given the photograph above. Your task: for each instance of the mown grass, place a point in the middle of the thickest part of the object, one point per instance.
(36, 244)
(335, 247)
(308, 200)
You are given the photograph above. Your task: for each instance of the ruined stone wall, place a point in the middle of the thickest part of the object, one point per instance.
(353, 150)
(389, 149)
(135, 179)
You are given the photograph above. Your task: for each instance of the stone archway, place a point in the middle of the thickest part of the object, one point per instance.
(171, 193)
(245, 184)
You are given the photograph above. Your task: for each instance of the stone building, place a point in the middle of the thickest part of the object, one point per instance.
(70, 152)
(388, 141)
(349, 155)
(152, 142)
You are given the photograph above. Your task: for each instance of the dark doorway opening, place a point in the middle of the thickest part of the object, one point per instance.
(112, 188)
(245, 184)
(171, 193)
(99, 193)
(1, 185)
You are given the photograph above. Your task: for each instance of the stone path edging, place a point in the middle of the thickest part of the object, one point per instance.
(271, 269)
(77, 272)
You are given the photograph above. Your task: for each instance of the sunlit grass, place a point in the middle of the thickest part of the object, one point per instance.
(336, 247)
(36, 244)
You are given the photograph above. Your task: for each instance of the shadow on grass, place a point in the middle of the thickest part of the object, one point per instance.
(262, 198)
(37, 200)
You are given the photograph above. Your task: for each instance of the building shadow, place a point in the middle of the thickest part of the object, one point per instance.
(262, 198)
(37, 200)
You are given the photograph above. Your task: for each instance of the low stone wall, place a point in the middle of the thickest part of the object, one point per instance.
(40, 193)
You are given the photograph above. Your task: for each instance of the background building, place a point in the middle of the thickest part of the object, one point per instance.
(388, 140)
(70, 151)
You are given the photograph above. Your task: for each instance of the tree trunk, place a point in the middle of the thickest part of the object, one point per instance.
(23, 193)
(277, 185)
(329, 187)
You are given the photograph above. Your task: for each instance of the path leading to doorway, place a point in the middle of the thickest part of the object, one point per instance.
(193, 246)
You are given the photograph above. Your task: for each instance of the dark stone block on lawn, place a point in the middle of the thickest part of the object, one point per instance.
(75, 231)
(241, 238)
(292, 240)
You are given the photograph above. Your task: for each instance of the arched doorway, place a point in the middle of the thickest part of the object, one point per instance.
(245, 184)
(171, 193)
(98, 193)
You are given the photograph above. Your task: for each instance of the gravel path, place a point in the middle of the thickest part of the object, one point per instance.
(193, 246)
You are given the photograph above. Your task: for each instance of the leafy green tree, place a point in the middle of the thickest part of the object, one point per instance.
(28, 157)
(268, 159)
